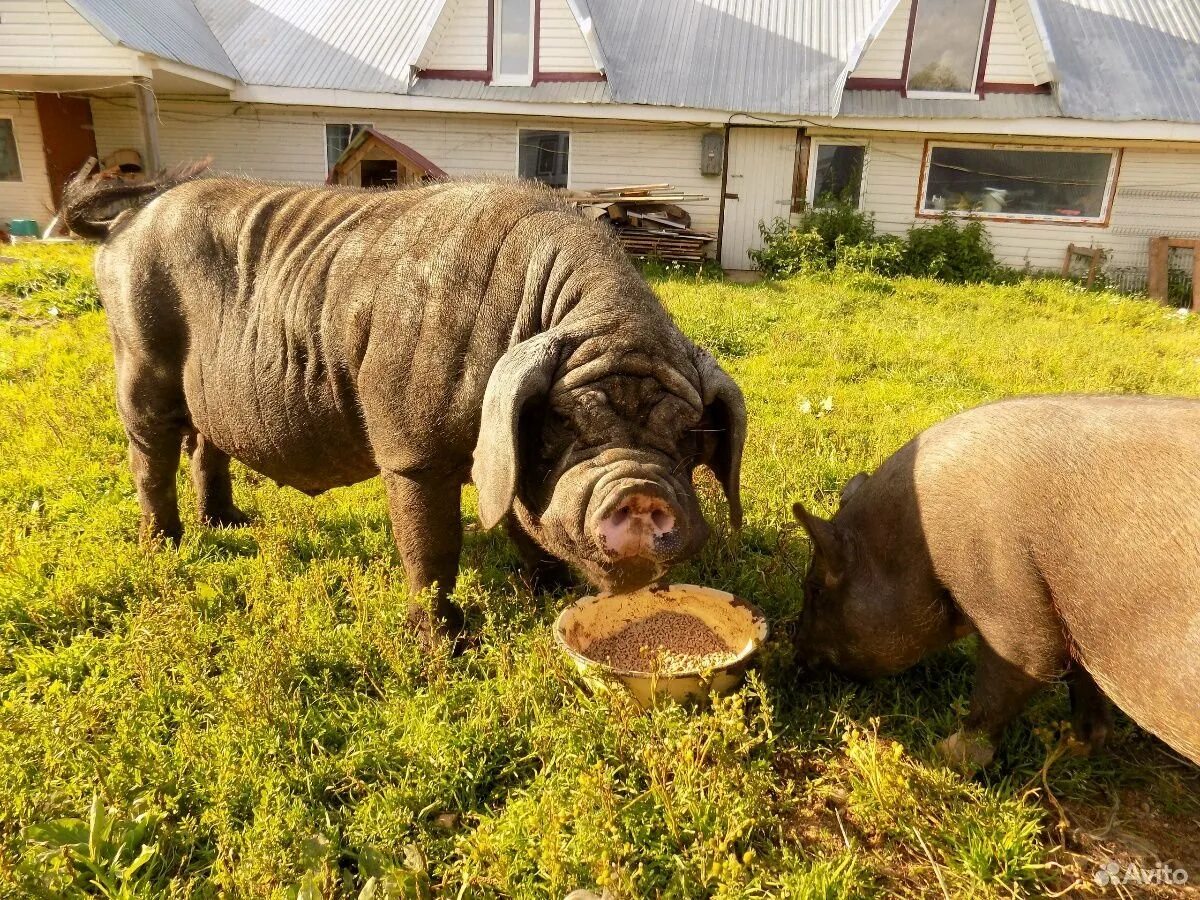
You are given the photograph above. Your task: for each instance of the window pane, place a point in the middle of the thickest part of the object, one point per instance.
(1018, 182)
(544, 156)
(337, 139)
(516, 36)
(838, 177)
(945, 45)
(10, 167)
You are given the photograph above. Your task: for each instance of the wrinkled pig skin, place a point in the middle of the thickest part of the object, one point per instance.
(1064, 531)
(475, 330)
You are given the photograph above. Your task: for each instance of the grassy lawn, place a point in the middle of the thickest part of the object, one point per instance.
(247, 716)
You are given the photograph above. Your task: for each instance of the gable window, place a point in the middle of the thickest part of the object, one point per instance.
(1002, 182)
(947, 41)
(10, 163)
(514, 42)
(337, 139)
(544, 156)
(836, 173)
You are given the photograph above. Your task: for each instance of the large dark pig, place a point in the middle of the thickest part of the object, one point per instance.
(1064, 531)
(323, 336)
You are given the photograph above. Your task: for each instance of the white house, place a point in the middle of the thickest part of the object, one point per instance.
(1059, 121)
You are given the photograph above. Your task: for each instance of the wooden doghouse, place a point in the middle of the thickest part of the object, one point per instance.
(373, 159)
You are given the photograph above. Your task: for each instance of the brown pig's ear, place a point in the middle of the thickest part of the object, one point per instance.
(725, 413)
(523, 374)
(827, 541)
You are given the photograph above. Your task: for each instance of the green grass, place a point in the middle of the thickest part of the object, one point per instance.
(248, 716)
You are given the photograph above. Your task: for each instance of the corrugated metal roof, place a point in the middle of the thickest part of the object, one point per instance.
(171, 29)
(1125, 59)
(765, 56)
(1113, 59)
(883, 104)
(546, 92)
(352, 45)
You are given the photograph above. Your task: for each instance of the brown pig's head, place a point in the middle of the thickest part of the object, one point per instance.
(591, 446)
(872, 605)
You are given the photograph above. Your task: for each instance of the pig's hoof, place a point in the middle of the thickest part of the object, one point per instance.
(445, 627)
(225, 518)
(171, 533)
(1087, 738)
(966, 751)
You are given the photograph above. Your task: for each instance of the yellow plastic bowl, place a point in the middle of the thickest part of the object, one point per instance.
(740, 624)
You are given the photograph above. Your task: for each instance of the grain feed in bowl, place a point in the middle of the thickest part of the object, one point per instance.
(664, 642)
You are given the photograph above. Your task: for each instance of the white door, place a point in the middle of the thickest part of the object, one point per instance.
(758, 188)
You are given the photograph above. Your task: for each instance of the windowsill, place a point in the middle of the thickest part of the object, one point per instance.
(942, 95)
(512, 81)
(1027, 218)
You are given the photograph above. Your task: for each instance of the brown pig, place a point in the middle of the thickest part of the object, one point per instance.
(1064, 531)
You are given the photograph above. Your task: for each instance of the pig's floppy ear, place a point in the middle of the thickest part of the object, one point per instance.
(524, 373)
(725, 412)
(827, 541)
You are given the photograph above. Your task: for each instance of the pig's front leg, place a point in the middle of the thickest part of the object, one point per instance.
(1002, 689)
(427, 527)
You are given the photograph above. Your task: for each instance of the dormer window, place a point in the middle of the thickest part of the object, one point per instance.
(514, 42)
(945, 50)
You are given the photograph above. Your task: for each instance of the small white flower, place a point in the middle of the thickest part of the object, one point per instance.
(806, 406)
(827, 405)
(53, 312)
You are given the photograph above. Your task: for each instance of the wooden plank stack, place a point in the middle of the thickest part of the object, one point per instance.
(648, 220)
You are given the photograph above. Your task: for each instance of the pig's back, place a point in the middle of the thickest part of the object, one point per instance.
(1091, 504)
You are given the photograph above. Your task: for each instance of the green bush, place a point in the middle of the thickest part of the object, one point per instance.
(952, 252)
(843, 237)
(882, 255)
(814, 243)
(788, 251)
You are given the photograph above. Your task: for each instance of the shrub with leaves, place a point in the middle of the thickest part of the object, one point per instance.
(952, 252)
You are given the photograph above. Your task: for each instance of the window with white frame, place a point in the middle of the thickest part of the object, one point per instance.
(544, 156)
(337, 138)
(10, 162)
(514, 42)
(836, 173)
(1061, 184)
(947, 42)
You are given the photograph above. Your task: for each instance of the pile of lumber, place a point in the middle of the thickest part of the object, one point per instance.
(648, 220)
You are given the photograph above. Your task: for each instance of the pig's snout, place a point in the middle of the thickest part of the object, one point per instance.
(637, 522)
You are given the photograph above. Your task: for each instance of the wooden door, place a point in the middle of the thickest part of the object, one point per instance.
(68, 138)
(758, 188)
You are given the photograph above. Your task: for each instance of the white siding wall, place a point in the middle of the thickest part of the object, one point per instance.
(885, 57)
(562, 47)
(1015, 55)
(1158, 192)
(288, 143)
(460, 38)
(28, 198)
(1023, 17)
(1008, 56)
(47, 37)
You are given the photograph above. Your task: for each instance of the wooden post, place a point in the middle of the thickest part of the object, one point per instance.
(1196, 277)
(147, 105)
(1160, 250)
(800, 175)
